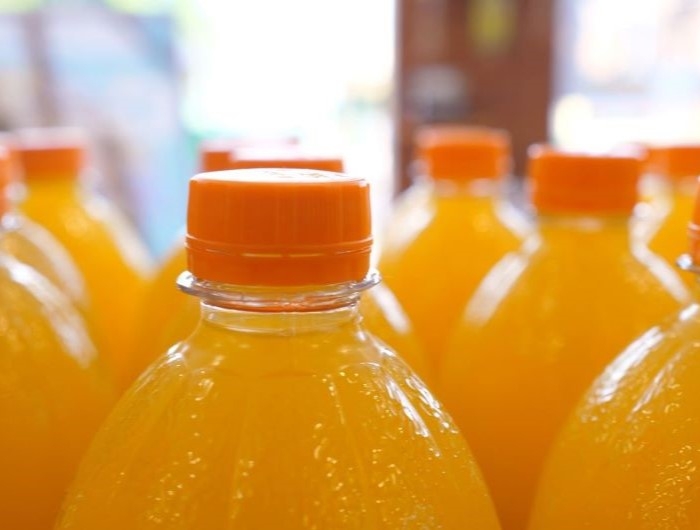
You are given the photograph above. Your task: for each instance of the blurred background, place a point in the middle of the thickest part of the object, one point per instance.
(150, 79)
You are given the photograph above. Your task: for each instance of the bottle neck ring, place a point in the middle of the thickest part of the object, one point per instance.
(277, 299)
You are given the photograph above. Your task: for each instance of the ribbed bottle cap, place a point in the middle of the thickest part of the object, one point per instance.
(567, 182)
(50, 153)
(462, 153)
(677, 161)
(278, 227)
(293, 158)
(216, 154)
(694, 229)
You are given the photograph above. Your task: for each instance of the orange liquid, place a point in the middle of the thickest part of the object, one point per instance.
(628, 458)
(169, 316)
(439, 244)
(53, 394)
(541, 327)
(671, 239)
(291, 420)
(33, 245)
(111, 259)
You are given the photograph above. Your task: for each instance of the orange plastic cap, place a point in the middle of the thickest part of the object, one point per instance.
(459, 153)
(50, 153)
(676, 161)
(8, 142)
(654, 159)
(284, 158)
(564, 182)
(5, 178)
(278, 227)
(694, 228)
(216, 154)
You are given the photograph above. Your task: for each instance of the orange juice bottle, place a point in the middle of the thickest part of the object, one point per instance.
(170, 316)
(32, 244)
(547, 319)
(280, 410)
(53, 395)
(111, 258)
(626, 459)
(679, 167)
(53, 392)
(449, 229)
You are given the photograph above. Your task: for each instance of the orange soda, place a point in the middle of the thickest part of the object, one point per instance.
(53, 392)
(627, 458)
(280, 410)
(449, 229)
(548, 318)
(111, 258)
(169, 315)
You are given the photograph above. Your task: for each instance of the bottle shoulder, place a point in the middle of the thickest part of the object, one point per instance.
(43, 325)
(454, 228)
(81, 219)
(645, 365)
(32, 244)
(547, 282)
(272, 342)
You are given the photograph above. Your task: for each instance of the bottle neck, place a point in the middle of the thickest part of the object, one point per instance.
(619, 230)
(279, 322)
(486, 188)
(58, 182)
(275, 309)
(586, 222)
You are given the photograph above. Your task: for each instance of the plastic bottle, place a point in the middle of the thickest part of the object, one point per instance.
(111, 258)
(547, 319)
(31, 244)
(627, 458)
(53, 392)
(679, 167)
(280, 410)
(449, 229)
(170, 315)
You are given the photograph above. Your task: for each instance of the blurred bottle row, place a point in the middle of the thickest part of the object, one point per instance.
(283, 386)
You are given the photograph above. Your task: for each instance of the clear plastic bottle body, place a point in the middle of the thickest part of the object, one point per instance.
(627, 458)
(169, 316)
(53, 395)
(112, 260)
(278, 412)
(442, 239)
(540, 328)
